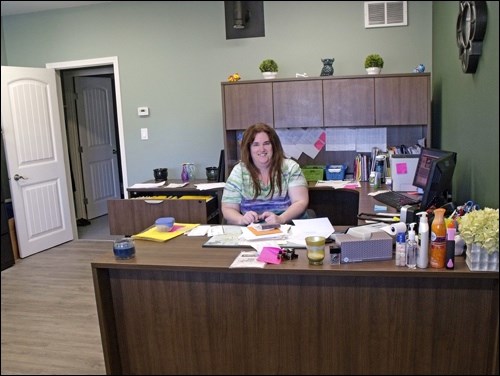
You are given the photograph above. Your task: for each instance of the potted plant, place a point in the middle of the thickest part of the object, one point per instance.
(479, 230)
(374, 64)
(269, 68)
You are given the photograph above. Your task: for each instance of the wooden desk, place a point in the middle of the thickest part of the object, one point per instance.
(178, 309)
(130, 216)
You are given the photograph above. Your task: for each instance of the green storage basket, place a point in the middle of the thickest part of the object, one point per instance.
(313, 173)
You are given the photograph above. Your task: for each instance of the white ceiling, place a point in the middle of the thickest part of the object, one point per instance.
(17, 7)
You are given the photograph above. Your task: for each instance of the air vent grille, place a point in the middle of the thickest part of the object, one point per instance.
(385, 13)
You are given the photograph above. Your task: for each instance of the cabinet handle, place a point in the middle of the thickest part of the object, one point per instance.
(153, 201)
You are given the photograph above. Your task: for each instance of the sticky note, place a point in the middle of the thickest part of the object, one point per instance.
(401, 168)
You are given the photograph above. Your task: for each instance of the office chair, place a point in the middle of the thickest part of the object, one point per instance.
(341, 206)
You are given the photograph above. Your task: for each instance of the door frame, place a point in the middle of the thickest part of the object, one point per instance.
(88, 63)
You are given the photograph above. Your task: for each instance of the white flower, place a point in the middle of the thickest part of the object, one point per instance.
(481, 227)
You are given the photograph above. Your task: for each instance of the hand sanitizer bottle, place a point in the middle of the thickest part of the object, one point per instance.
(401, 249)
(411, 248)
(423, 241)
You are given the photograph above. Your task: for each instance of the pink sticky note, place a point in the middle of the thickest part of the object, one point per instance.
(401, 168)
(270, 255)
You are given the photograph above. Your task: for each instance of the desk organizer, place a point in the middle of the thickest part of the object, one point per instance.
(313, 173)
(335, 172)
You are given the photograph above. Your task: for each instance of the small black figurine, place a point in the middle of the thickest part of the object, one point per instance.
(327, 67)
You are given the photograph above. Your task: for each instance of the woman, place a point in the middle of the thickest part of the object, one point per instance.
(265, 186)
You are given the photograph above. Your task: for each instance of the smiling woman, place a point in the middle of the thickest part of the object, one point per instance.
(264, 186)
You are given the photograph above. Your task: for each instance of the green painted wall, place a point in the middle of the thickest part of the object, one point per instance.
(465, 106)
(174, 55)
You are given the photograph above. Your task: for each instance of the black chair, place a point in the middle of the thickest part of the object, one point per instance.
(341, 206)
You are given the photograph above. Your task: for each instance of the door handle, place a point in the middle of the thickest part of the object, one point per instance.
(18, 177)
(115, 151)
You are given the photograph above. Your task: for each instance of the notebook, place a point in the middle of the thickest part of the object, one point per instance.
(403, 167)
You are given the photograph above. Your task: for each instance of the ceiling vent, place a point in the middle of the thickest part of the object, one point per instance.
(385, 13)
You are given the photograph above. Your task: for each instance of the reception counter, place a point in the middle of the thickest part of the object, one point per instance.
(177, 308)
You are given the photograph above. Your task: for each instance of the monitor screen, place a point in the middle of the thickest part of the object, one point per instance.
(434, 175)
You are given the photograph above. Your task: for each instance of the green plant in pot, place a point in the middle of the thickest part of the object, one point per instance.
(374, 63)
(269, 68)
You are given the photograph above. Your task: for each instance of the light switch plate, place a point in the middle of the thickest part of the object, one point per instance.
(143, 111)
(144, 134)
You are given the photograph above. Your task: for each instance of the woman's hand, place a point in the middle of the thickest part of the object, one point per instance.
(270, 217)
(249, 217)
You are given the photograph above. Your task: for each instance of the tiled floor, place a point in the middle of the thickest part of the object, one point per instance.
(97, 230)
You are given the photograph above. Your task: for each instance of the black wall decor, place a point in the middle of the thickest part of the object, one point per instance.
(471, 27)
(244, 19)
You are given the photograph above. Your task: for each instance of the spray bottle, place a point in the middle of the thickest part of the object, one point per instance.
(423, 240)
(411, 248)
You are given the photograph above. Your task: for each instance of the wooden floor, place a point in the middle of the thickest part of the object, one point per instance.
(49, 317)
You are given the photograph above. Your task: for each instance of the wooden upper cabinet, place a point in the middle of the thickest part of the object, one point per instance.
(349, 102)
(247, 104)
(402, 100)
(298, 104)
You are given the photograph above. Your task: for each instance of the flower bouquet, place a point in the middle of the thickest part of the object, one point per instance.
(479, 229)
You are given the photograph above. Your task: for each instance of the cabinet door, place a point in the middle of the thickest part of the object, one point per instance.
(349, 102)
(247, 104)
(298, 104)
(402, 100)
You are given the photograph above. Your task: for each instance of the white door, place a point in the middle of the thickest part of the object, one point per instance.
(96, 125)
(36, 163)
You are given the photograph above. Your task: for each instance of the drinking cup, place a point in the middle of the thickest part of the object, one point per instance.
(315, 249)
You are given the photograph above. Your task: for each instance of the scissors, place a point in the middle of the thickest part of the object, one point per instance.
(470, 206)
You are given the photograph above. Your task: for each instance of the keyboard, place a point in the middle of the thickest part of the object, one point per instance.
(395, 200)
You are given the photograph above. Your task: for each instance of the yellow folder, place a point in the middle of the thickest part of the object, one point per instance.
(162, 236)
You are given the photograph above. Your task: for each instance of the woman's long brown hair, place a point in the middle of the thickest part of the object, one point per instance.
(275, 169)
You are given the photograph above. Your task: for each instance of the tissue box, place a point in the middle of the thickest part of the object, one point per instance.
(313, 173)
(353, 249)
(335, 172)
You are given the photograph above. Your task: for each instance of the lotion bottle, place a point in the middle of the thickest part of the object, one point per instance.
(411, 248)
(423, 239)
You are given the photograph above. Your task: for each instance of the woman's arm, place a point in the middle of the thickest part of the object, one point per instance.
(299, 196)
(233, 216)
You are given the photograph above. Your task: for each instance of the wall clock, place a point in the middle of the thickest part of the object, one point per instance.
(471, 27)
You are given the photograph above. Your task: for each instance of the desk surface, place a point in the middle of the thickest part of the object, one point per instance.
(187, 252)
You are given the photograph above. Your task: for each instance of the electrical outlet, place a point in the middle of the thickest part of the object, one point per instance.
(144, 134)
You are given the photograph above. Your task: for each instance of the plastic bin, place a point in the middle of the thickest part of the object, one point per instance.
(335, 172)
(313, 173)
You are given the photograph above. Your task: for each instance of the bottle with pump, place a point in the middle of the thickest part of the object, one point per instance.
(401, 249)
(423, 241)
(438, 240)
(411, 248)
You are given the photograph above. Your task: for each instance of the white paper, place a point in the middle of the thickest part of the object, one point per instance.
(368, 138)
(199, 230)
(177, 185)
(247, 259)
(337, 183)
(340, 139)
(309, 227)
(205, 186)
(147, 185)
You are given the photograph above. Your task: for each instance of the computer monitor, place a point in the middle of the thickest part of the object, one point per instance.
(434, 176)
